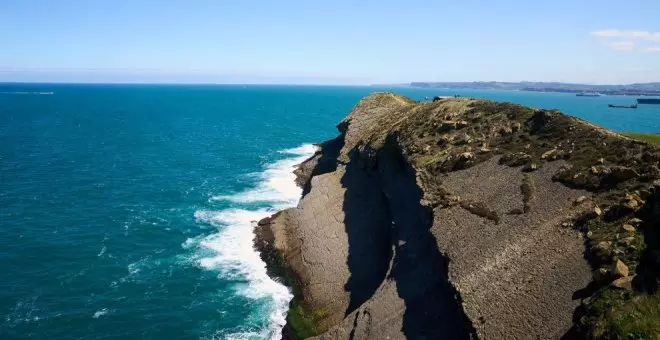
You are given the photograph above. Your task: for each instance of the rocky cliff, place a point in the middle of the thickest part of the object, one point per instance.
(467, 218)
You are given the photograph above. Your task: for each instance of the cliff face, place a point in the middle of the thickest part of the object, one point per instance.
(461, 218)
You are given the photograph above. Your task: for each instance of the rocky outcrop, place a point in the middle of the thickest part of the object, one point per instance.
(461, 218)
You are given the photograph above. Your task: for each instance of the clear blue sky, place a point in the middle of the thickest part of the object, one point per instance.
(340, 41)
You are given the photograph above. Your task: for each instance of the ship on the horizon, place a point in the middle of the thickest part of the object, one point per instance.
(619, 106)
(648, 100)
(588, 94)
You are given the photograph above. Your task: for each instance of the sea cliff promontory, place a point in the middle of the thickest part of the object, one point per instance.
(466, 218)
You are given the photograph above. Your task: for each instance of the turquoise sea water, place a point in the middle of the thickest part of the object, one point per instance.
(126, 210)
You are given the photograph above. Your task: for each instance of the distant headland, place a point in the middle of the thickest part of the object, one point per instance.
(639, 89)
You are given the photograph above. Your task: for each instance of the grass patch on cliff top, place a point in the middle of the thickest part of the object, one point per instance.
(651, 138)
(617, 315)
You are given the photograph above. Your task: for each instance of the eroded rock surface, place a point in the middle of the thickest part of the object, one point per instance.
(455, 219)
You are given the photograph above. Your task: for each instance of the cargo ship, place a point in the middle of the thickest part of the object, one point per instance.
(648, 100)
(633, 106)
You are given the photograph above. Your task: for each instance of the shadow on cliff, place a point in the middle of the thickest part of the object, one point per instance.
(648, 271)
(323, 162)
(433, 307)
(368, 223)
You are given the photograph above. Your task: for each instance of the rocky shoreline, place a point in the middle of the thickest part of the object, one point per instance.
(466, 218)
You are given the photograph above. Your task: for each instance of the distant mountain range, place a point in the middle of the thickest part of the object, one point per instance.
(640, 89)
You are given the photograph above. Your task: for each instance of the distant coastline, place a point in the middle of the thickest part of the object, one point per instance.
(641, 89)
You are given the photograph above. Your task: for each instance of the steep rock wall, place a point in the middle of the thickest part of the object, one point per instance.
(447, 220)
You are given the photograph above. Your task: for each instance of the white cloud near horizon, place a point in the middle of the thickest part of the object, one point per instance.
(621, 45)
(635, 35)
(652, 49)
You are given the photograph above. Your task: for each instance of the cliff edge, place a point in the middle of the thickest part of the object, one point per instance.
(467, 218)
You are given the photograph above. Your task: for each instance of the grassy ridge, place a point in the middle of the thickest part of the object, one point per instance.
(651, 138)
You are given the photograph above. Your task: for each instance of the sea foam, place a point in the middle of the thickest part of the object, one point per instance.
(277, 183)
(231, 252)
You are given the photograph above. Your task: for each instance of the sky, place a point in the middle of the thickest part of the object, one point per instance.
(329, 42)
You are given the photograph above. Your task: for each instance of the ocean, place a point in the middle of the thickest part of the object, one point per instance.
(126, 211)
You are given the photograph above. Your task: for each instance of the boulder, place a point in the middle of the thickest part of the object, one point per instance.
(631, 204)
(579, 200)
(627, 240)
(628, 228)
(598, 211)
(515, 159)
(549, 153)
(619, 269)
(603, 245)
(635, 221)
(623, 283)
(622, 173)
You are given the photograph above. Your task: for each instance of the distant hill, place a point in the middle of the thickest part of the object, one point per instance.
(648, 89)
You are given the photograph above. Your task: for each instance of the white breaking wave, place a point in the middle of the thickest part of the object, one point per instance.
(232, 250)
(303, 150)
(276, 184)
(100, 313)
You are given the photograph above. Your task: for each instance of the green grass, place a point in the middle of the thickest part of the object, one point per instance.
(651, 138)
(302, 324)
(617, 314)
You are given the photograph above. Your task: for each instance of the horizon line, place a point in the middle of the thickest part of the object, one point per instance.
(310, 84)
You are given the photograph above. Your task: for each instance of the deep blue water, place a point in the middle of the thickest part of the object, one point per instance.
(125, 210)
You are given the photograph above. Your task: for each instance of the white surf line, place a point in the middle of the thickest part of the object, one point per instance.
(234, 256)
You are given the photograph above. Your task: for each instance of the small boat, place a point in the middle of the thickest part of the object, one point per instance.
(436, 98)
(633, 106)
(648, 100)
(588, 94)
